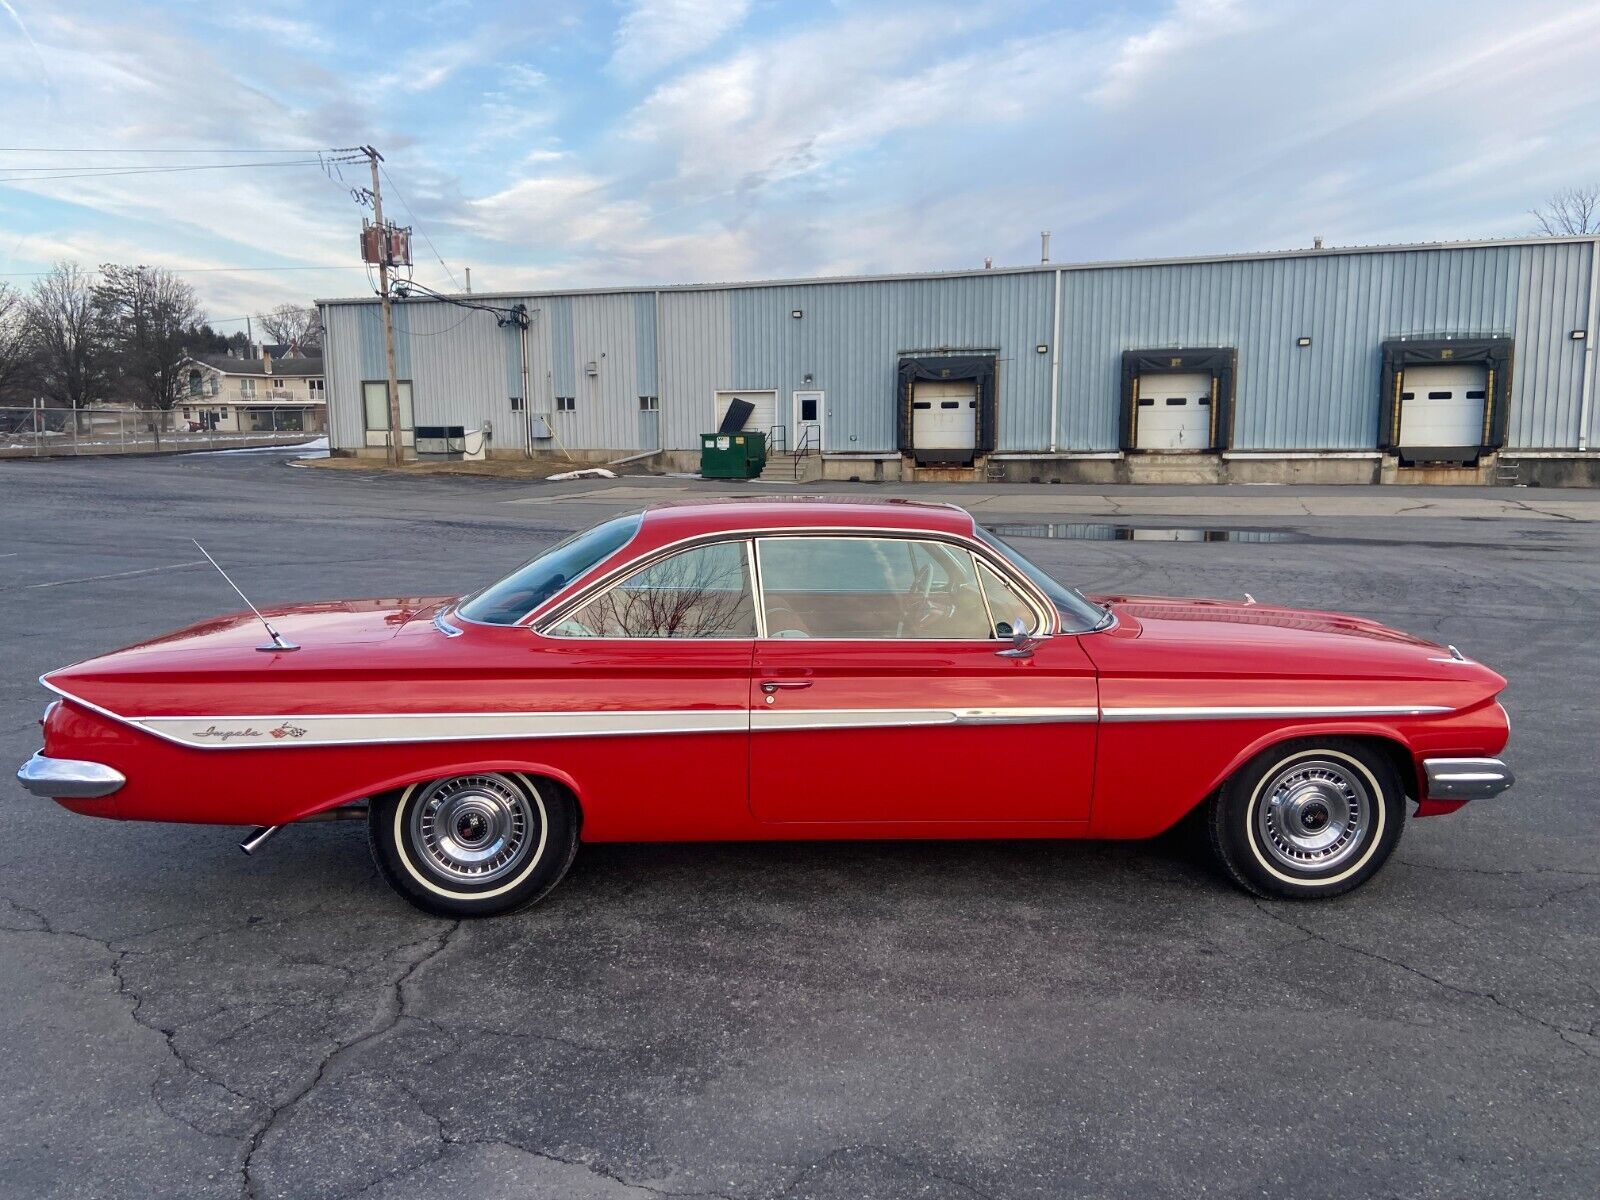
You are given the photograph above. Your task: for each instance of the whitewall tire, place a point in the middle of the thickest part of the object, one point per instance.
(1308, 819)
(474, 845)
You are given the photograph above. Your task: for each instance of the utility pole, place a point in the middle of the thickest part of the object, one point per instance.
(397, 452)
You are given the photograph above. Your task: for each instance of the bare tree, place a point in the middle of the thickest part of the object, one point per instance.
(1573, 211)
(63, 330)
(148, 315)
(293, 324)
(15, 352)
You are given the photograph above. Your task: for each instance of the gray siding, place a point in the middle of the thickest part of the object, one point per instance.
(696, 356)
(1325, 396)
(1547, 374)
(852, 336)
(685, 344)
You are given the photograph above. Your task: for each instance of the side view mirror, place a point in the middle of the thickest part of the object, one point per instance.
(1023, 638)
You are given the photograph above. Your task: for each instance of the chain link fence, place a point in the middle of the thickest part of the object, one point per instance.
(50, 432)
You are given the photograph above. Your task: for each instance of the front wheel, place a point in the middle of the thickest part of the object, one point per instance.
(1308, 819)
(474, 845)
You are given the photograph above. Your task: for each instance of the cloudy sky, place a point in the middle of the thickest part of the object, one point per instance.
(554, 142)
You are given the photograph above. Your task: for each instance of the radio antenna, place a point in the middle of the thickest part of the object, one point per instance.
(278, 642)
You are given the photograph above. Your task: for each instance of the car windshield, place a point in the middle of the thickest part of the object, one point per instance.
(530, 585)
(1078, 614)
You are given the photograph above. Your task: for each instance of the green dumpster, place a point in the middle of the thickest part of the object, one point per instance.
(732, 455)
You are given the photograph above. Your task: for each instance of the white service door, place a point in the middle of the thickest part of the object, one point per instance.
(944, 414)
(1174, 412)
(1442, 405)
(807, 422)
(761, 420)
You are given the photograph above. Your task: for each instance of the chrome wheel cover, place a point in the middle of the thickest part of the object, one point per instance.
(473, 828)
(1314, 815)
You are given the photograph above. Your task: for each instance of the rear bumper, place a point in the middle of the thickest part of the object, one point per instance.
(1461, 779)
(68, 778)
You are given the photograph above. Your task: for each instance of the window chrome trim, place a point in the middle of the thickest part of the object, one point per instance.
(906, 538)
(628, 573)
(557, 607)
(473, 595)
(442, 623)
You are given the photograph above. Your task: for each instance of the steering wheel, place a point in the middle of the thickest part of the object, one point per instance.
(926, 608)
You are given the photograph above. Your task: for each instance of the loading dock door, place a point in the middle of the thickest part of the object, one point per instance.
(1441, 411)
(944, 420)
(761, 420)
(1174, 412)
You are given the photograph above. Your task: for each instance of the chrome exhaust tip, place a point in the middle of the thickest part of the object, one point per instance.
(258, 837)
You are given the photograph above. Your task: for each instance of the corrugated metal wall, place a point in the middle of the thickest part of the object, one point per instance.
(684, 345)
(695, 350)
(851, 336)
(1554, 284)
(1325, 396)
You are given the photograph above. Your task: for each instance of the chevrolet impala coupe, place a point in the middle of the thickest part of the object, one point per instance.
(760, 669)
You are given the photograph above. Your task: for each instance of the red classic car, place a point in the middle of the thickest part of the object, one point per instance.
(781, 669)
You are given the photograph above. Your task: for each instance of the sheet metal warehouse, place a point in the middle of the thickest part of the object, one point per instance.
(1467, 362)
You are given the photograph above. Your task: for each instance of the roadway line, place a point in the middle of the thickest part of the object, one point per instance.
(199, 562)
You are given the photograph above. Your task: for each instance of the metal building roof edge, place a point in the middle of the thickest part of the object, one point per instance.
(980, 272)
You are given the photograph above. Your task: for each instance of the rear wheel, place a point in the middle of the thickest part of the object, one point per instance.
(1308, 819)
(474, 845)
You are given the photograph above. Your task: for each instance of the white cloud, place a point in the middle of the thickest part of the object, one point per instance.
(425, 69)
(797, 106)
(657, 33)
(1191, 25)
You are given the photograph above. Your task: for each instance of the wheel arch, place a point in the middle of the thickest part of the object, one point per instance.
(1384, 739)
(441, 770)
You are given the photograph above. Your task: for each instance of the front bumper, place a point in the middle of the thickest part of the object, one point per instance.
(1466, 778)
(68, 778)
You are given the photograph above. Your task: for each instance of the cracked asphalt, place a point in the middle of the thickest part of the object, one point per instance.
(831, 1021)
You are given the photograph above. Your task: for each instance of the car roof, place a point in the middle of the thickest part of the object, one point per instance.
(689, 518)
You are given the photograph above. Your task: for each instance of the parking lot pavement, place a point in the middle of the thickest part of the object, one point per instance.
(828, 1021)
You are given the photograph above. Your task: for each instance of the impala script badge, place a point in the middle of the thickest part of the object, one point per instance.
(226, 735)
(286, 730)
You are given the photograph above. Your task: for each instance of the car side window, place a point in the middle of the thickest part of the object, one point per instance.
(870, 588)
(700, 593)
(1006, 605)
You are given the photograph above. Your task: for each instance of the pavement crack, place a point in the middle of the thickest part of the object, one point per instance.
(1525, 506)
(1493, 998)
(447, 1141)
(394, 1012)
(119, 958)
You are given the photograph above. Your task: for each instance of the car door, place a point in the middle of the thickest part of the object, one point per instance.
(659, 663)
(880, 693)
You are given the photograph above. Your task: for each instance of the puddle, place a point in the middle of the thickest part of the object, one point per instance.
(1102, 531)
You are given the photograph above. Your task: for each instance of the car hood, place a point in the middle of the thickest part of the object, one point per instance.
(1272, 622)
(1242, 637)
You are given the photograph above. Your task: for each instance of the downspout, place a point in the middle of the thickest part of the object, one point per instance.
(1055, 363)
(527, 396)
(661, 408)
(1586, 404)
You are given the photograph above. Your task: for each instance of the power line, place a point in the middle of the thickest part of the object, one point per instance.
(106, 172)
(129, 150)
(418, 224)
(209, 270)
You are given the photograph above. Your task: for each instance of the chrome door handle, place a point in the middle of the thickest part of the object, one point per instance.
(773, 685)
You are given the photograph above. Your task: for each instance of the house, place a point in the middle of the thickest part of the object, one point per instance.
(274, 388)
